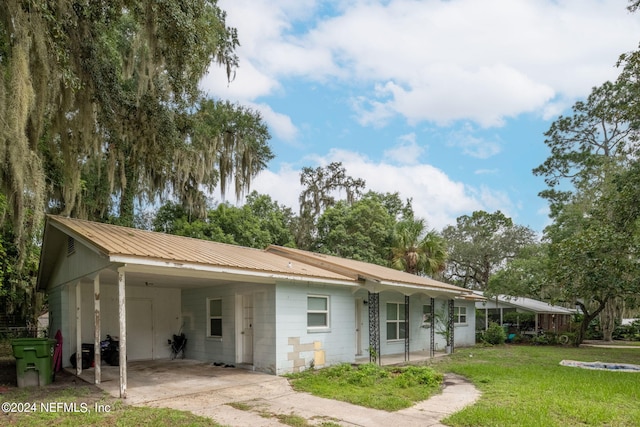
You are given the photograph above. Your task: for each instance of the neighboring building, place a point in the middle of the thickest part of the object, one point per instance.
(547, 317)
(276, 310)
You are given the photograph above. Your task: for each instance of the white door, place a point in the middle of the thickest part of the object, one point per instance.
(358, 319)
(139, 329)
(245, 321)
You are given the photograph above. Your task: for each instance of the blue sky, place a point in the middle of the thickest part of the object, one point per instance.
(445, 102)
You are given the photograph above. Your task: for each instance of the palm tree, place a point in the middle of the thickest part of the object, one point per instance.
(416, 250)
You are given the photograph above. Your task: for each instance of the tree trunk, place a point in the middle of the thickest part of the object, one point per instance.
(586, 320)
(607, 320)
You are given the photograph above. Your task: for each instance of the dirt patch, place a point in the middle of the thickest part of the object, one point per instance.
(8, 372)
(63, 382)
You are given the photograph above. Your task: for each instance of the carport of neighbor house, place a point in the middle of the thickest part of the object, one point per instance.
(154, 381)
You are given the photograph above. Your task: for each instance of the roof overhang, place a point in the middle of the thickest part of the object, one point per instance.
(145, 265)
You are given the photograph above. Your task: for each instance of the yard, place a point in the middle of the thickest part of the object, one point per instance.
(521, 385)
(526, 386)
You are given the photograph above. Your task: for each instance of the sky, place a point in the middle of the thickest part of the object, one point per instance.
(443, 101)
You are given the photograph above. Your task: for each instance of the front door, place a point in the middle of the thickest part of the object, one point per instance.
(244, 349)
(358, 319)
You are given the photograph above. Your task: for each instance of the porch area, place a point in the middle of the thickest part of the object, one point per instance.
(399, 359)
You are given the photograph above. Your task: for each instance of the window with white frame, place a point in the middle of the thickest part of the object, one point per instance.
(317, 311)
(460, 314)
(395, 321)
(426, 315)
(214, 314)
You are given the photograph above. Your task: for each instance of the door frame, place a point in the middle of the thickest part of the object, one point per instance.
(241, 300)
(359, 302)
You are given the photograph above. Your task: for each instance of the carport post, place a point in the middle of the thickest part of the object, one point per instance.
(96, 328)
(78, 329)
(122, 316)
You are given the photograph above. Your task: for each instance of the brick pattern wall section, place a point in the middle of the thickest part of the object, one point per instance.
(295, 355)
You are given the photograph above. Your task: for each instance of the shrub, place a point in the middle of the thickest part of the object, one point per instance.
(495, 334)
(548, 338)
(629, 332)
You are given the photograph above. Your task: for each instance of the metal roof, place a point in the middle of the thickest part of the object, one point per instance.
(365, 270)
(142, 247)
(120, 243)
(528, 304)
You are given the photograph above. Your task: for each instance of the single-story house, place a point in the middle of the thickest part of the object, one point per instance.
(547, 317)
(276, 310)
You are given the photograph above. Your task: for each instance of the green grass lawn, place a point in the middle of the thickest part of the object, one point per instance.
(389, 388)
(521, 386)
(526, 386)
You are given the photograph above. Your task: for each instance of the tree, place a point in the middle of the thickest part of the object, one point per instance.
(257, 224)
(18, 273)
(589, 146)
(594, 247)
(225, 143)
(320, 187)
(584, 145)
(481, 244)
(417, 250)
(88, 84)
(525, 275)
(361, 230)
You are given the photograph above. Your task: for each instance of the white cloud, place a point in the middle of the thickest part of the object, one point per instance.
(472, 145)
(406, 151)
(437, 61)
(435, 196)
(280, 125)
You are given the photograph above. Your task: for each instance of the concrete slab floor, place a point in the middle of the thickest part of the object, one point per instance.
(240, 397)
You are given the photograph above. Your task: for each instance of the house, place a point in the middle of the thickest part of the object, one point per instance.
(276, 310)
(546, 317)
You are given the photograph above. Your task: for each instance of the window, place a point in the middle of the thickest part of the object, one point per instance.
(317, 311)
(395, 321)
(426, 315)
(214, 313)
(460, 314)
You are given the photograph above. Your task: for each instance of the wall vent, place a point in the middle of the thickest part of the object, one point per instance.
(71, 245)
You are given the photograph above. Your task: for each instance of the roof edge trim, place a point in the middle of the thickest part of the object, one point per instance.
(227, 270)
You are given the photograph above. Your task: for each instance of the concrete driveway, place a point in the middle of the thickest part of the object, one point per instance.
(238, 397)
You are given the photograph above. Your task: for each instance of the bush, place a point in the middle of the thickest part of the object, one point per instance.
(495, 334)
(629, 332)
(548, 338)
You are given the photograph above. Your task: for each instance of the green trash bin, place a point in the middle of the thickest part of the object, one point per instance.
(34, 361)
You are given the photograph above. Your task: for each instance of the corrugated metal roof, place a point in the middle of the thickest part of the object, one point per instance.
(143, 246)
(529, 304)
(363, 269)
(120, 241)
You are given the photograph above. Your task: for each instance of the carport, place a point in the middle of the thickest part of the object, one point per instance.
(166, 380)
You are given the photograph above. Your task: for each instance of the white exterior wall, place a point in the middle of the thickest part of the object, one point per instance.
(419, 334)
(58, 301)
(465, 334)
(165, 312)
(298, 347)
(223, 350)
